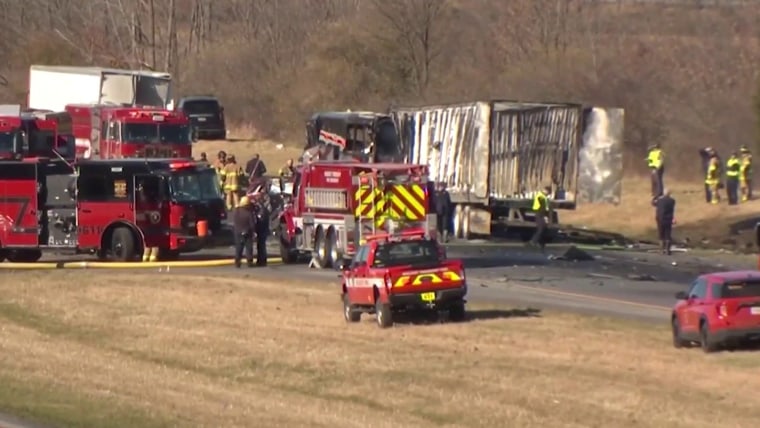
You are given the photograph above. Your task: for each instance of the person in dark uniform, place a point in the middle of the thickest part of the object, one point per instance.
(244, 222)
(665, 213)
(733, 169)
(541, 210)
(443, 208)
(262, 227)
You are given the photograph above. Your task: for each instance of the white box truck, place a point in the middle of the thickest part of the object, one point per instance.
(54, 87)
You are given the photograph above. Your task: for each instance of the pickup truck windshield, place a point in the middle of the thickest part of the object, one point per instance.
(166, 133)
(420, 252)
(194, 186)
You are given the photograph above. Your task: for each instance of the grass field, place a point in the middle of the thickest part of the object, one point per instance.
(139, 350)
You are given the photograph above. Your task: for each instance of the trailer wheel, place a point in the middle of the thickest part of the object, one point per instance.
(122, 245)
(334, 255)
(457, 221)
(24, 256)
(320, 248)
(466, 214)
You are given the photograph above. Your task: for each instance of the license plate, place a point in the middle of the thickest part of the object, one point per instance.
(427, 297)
(201, 119)
(755, 310)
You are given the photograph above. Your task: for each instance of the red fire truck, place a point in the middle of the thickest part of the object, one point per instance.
(35, 134)
(115, 132)
(337, 205)
(112, 208)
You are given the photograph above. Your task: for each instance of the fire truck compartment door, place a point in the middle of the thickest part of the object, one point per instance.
(149, 201)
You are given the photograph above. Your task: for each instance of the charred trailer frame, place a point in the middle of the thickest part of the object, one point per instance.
(353, 136)
(495, 156)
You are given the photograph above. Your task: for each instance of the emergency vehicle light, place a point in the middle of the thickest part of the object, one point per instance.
(178, 165)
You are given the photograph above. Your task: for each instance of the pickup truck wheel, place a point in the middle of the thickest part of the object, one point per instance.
(349, 312)
(457, 312)
(122, 245)
(383, 314)
(707, 342)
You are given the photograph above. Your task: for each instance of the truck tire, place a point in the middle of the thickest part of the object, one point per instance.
(705, 338)
(457, 312)
(678, 342)
(334, 255)
(122, 245)
(24, 256)
(2, 255)
(320, 248)
(383, 314)
(349, 312)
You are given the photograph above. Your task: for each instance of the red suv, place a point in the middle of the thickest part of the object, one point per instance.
(720, 309)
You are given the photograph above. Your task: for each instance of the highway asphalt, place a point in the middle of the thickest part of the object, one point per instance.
(627, 284)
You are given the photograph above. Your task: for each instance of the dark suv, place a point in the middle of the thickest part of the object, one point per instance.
(206, 115)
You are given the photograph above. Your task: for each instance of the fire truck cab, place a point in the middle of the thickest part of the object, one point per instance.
(32, 134)
(116, 132)
(336, 205)
(112, 208)
(408, 272)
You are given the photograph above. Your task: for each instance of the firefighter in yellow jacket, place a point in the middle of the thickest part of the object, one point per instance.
(712, 179)
(655, 162)
(232, 172)
(745, 174)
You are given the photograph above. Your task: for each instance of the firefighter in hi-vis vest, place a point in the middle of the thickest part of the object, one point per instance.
(733, 168)
(221, 161)
(745, 174)
(541, 210)
(712, 179)
(655, 162)
(232, 174)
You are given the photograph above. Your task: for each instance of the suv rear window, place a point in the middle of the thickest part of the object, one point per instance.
(418, 252)
(733, 290)
(201, 107)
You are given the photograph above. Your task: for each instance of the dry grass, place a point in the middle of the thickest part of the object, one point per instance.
(695, 219)
(243, 144)
(239, 352)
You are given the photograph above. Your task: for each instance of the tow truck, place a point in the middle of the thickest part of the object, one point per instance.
(408, 272)
(111, 208)
(116, 132)
(363, 136)
(336, 204)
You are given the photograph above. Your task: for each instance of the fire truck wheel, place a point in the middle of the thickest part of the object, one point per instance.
(320, 249)
(383, 314)
(457, 312)
(349, 312)
(24, 256)
(333, 252)
(122, 245)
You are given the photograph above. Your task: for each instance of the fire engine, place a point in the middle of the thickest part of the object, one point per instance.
(402, 272)
(112, 208)
(30, 134)
(336, 205)
(115, 132)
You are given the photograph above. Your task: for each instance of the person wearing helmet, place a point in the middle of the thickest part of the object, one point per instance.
(221, 160)
(655, 161)
(745, 174)
(231, 182)
(244, 224)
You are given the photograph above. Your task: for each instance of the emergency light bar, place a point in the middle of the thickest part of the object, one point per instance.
(179, 165)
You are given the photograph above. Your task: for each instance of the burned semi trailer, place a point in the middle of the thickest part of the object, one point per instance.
(346, 135)
(494, 156)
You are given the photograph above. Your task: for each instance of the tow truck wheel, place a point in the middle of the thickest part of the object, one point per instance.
(24, 256)
(457, 312)
(383, 314)
(351, 314)
(287, 253)
(122, 245)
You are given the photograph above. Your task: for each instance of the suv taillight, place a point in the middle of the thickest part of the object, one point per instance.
(722, 310)
(388, 282)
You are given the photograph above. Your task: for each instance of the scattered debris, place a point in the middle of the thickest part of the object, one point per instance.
(602, 275)
(642, 277)
(575, 254)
